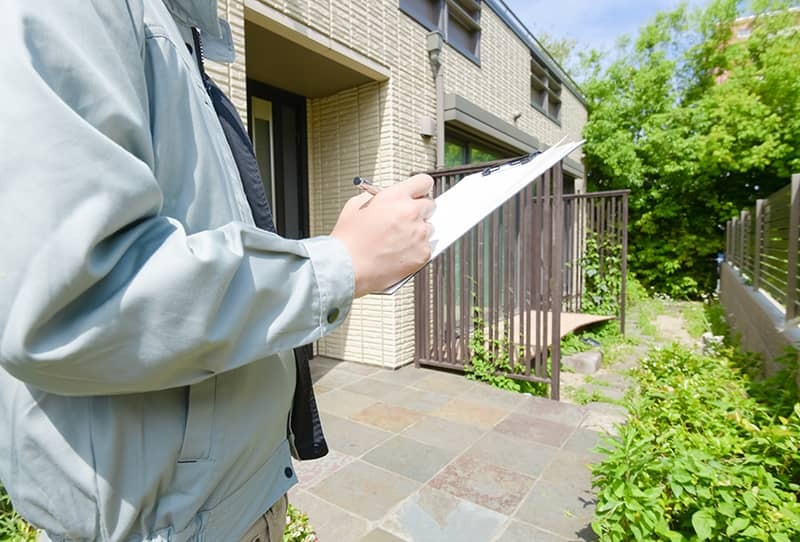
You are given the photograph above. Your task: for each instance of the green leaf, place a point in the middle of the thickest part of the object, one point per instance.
(704, 523)
(738, 524)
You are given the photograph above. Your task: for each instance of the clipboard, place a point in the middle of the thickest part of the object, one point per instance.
(475, 196)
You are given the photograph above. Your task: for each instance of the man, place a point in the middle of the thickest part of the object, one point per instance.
(146, 325)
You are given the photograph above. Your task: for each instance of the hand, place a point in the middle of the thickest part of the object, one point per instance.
(387, 235)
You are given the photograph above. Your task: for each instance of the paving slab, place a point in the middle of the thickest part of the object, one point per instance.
(554, 411)
(584, 441)
(371, 387)
(344, 403)
(535, 429)
(334, 379)
(418, 455)
(516, 531)
(349, 437)
(486, 394)
(560, 509)
(391, 418)
(570, 469)
(529, 458)
(487, 485)
(365, 490)
(379, 535)
(444, 383)
(471, 413)
(604, 417)
(420, 400)
(312, 472)
(403, 376)
(410, 458)
(434, 516)
(329, 521)
(444, 434)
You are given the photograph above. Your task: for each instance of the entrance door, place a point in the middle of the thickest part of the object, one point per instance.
(278, 129)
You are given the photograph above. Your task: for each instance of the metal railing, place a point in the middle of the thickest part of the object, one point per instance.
(512, 274)
(762, 243)
(596, 221)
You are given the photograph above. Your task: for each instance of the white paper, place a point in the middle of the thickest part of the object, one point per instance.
(475, 196)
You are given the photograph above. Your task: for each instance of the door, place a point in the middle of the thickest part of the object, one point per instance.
(278, 130)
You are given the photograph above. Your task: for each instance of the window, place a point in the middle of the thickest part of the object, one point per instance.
(545, 91)
(458, 21)
(458, 152)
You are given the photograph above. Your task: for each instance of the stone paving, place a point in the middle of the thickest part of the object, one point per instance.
(420, 455)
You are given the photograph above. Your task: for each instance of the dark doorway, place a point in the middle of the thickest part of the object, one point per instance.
(277, 126)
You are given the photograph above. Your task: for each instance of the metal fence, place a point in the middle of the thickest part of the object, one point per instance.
(596, 223)
(512, 274)
(762, 243)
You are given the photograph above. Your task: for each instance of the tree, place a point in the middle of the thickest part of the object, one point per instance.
(698, 125)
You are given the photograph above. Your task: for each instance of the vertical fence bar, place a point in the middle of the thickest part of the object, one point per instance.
(727, 240)
(757, 244)
(791, 277)
(742, 238)
(624, 258)
(555, 277)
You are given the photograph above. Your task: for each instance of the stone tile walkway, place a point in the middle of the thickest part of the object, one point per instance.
(419, 455)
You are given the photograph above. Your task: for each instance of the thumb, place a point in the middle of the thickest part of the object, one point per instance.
(418, 186)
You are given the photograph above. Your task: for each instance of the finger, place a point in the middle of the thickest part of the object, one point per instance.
(426, 208)
(418, 186)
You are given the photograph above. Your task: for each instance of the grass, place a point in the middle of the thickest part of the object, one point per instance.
(583, 397)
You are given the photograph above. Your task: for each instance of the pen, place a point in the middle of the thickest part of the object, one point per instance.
(366, 185)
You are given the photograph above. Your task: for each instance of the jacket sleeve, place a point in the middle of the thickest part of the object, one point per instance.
(99, 293)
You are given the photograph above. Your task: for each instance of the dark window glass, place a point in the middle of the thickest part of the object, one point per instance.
(545, 91)
(458, 20)
(425, 12)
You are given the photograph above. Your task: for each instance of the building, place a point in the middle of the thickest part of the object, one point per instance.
(334, 89)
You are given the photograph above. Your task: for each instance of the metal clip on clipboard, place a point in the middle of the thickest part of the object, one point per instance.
(521, 160)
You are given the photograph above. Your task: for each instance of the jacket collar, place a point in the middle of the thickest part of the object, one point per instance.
(199, 13)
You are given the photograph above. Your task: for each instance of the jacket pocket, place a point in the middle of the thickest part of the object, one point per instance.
(199, 420)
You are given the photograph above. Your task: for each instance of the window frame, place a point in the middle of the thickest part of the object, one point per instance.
(546, 91)
(464, 14)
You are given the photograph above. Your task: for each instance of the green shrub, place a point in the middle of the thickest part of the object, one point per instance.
(297, 527)
(700, 459)
(12, 527)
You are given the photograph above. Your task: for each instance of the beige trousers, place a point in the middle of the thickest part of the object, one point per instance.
(270, 526)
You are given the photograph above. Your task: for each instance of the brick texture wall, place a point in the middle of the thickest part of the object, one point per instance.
(373, 130)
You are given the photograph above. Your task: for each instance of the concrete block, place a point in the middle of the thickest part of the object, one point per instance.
(584, 362)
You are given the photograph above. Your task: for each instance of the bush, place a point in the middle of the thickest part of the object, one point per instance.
(700, 458)
(12, 527)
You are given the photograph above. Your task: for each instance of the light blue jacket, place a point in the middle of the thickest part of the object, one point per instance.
(145, 324)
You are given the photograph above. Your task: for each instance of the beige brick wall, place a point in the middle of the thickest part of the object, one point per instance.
(373, 130)
(501, 84)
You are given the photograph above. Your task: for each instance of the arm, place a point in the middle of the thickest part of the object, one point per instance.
(99, 294)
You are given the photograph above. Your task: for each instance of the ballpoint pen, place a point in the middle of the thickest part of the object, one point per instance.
(366, 185)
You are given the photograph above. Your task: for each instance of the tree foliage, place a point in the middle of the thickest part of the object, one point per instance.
(698, 121)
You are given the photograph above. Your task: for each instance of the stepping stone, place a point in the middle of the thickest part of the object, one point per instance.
(584, 362)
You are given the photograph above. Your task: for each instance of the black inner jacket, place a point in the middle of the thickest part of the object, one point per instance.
(309, 441)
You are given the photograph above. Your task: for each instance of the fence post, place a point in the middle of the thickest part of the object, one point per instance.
(728, 228)
(624, 293)
(791, 275)
(742, 241)
(757, 245)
